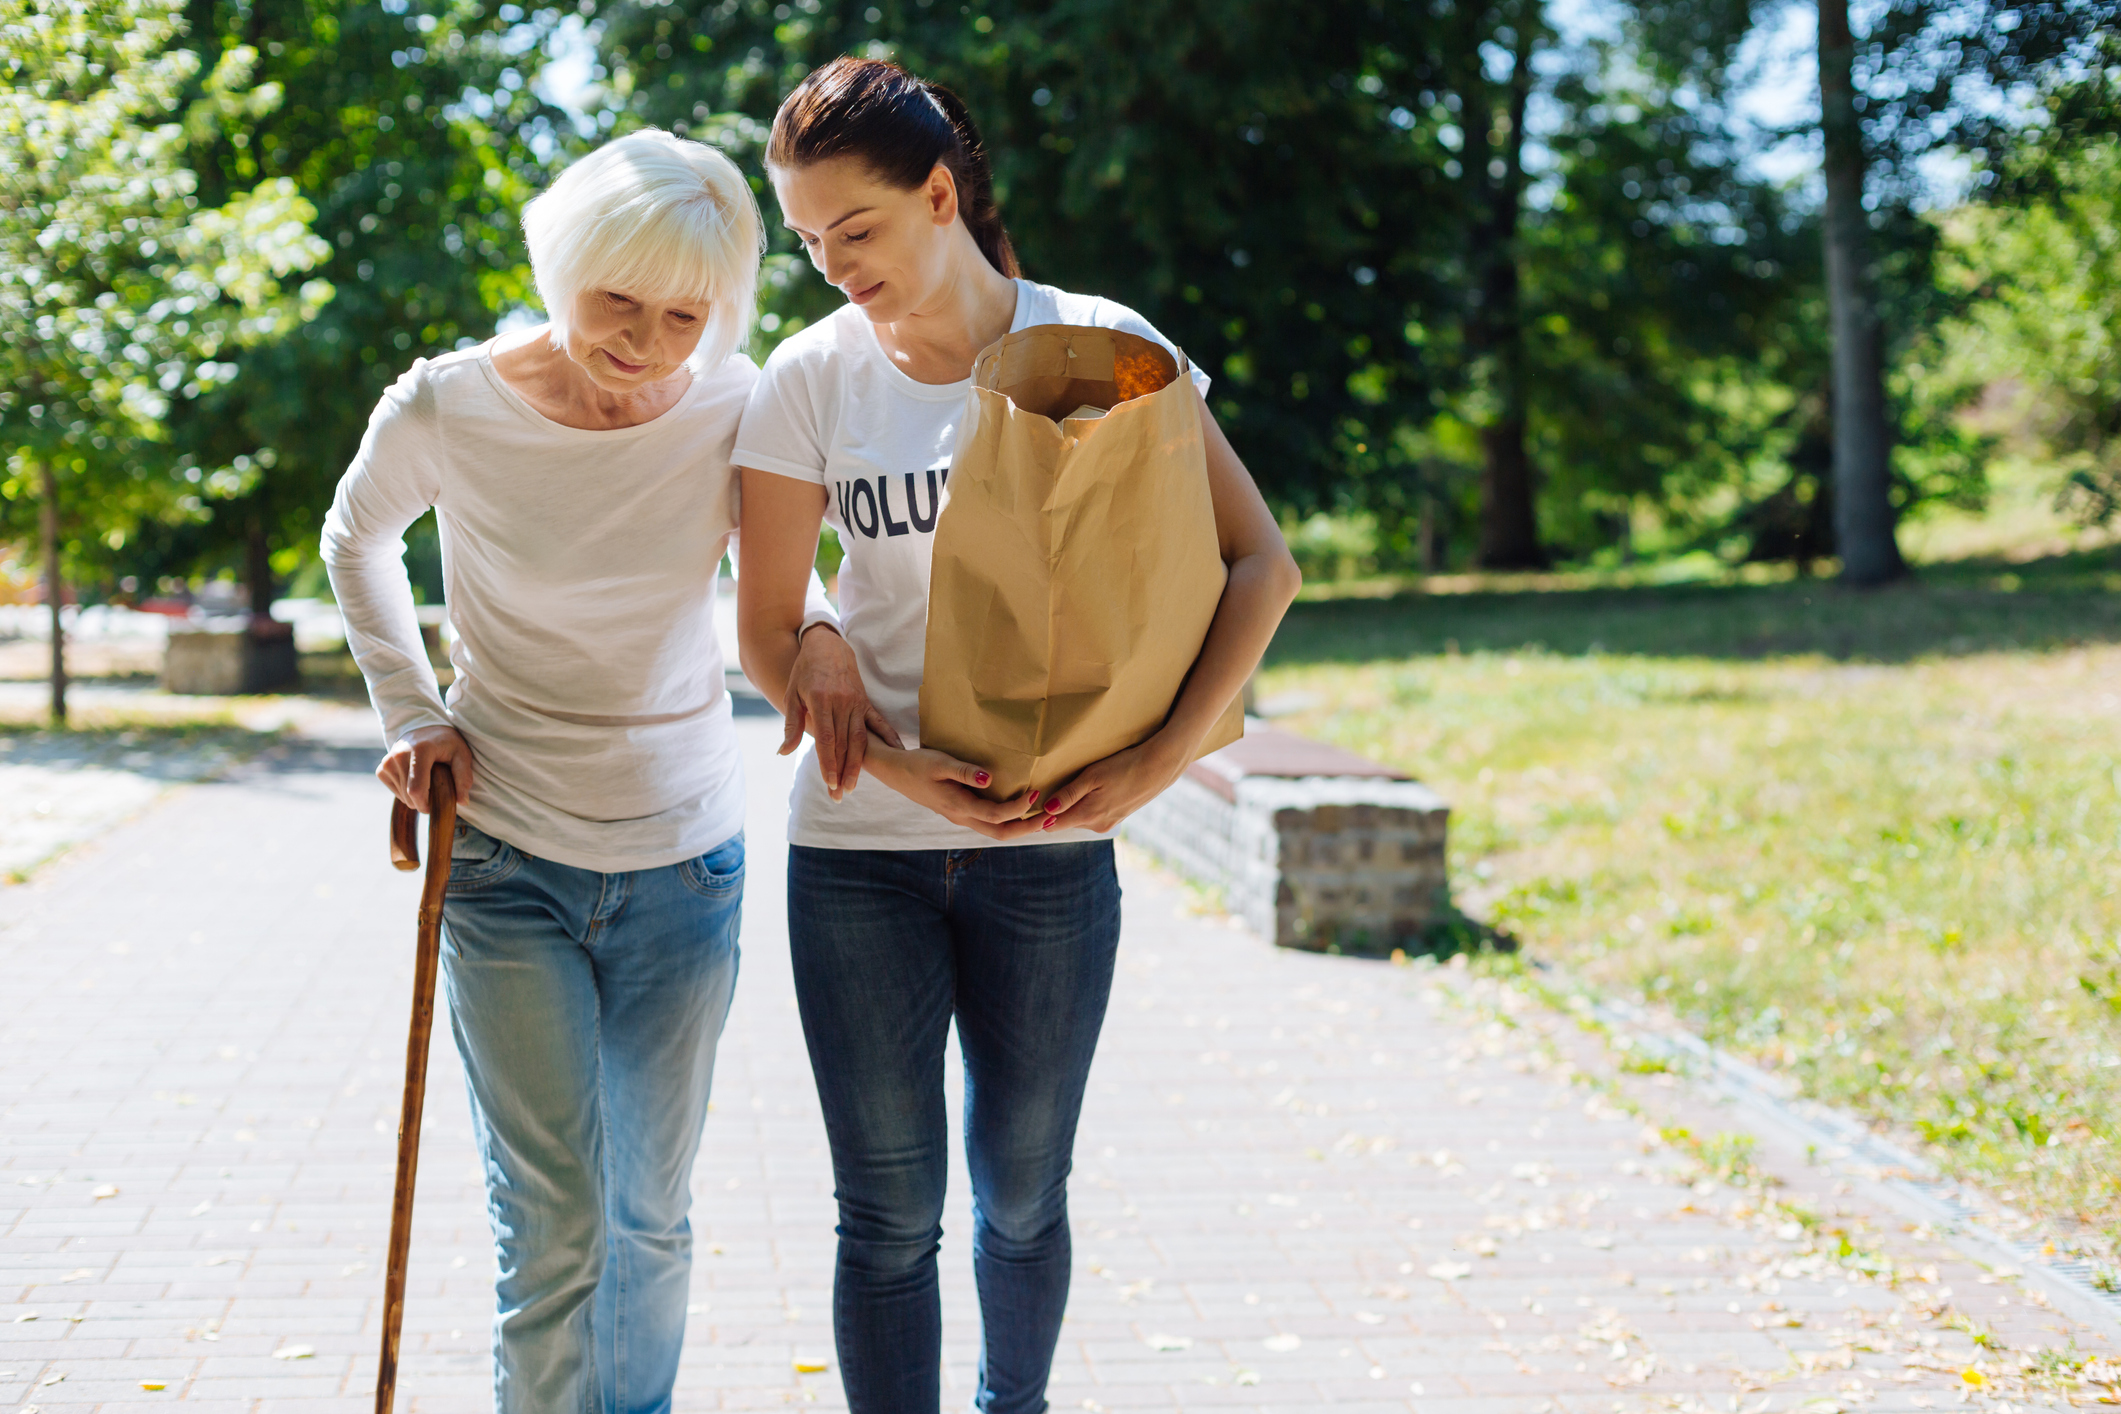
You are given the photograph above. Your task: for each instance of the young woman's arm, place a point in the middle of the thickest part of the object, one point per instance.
(1263, 583)
(807, 677)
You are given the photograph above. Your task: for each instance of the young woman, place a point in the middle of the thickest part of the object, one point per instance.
(581, 474)
(912, 900)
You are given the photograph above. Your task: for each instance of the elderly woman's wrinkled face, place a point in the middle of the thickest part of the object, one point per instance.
(625, 343)
(887, 250)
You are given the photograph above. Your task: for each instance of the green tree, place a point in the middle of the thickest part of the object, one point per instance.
(1931, 75)
(1488, 124)
(413, 130)
(1330, 206)
(122, 292)
(2046, 320)
(1663, 308)
(1628, 116)
(1263, 182)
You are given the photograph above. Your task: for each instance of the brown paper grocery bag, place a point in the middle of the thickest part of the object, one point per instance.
(1076, 566)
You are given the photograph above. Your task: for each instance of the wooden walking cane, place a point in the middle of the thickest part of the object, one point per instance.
(405, 854)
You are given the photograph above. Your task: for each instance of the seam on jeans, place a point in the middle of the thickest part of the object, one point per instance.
(958, 859)
(605, 1167)
(607, 884)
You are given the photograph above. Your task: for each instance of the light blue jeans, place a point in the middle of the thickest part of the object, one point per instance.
(586, 1008)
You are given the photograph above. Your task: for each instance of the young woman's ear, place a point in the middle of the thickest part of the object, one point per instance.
(941, 195)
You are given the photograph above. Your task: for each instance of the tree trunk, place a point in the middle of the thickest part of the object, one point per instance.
(54, 587)
(1863, 507)
(1509, 521)
(258, 567)
(1509, 529)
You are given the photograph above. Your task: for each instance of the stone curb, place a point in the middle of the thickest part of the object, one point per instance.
(1899, 1180)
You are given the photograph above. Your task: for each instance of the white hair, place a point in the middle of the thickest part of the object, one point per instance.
(658, 218)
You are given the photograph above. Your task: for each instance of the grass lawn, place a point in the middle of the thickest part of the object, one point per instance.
(1869, 840)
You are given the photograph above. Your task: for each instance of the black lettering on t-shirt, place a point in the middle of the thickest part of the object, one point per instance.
(860, 493)
(883, 495)
(923, 523)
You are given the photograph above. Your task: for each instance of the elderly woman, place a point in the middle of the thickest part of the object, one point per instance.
(581, 476)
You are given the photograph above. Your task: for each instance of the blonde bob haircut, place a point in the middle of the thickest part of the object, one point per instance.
(658, 218)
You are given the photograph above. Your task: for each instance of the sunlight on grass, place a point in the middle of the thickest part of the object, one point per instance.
(1895, 882)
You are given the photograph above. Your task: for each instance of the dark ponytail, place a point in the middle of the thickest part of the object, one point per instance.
(899, 127)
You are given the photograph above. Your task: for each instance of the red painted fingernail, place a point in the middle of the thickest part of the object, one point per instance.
(1050, 822)
(1052, 805)
(1034, 797)
(982, 778)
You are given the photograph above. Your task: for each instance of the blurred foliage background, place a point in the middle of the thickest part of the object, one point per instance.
(1499, 285)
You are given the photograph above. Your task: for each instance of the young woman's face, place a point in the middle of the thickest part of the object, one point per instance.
(627, 342)
(885, 249)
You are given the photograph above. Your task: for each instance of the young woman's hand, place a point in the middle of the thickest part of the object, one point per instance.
(1108, 791)
(826, 698)
(950, 788)
(407, 768)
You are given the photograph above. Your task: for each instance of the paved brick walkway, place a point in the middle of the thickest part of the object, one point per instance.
(1303, 1183)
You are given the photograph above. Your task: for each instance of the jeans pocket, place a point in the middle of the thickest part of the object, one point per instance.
(717, 873)
(477, 859)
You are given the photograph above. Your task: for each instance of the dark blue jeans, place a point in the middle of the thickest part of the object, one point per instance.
(888, 946)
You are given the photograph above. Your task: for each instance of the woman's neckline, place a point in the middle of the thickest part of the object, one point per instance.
(516, 399)
(933, 392)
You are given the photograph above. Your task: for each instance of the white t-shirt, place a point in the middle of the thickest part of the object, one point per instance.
(581, 569)
(831, 409)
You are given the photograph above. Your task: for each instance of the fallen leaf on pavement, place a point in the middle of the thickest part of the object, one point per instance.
(1170, 1342)
(294, 1352)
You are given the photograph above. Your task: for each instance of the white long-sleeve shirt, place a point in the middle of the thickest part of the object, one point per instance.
(580, 568)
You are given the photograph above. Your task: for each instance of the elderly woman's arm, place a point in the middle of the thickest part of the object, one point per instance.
(791, 651)
(391, 484)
